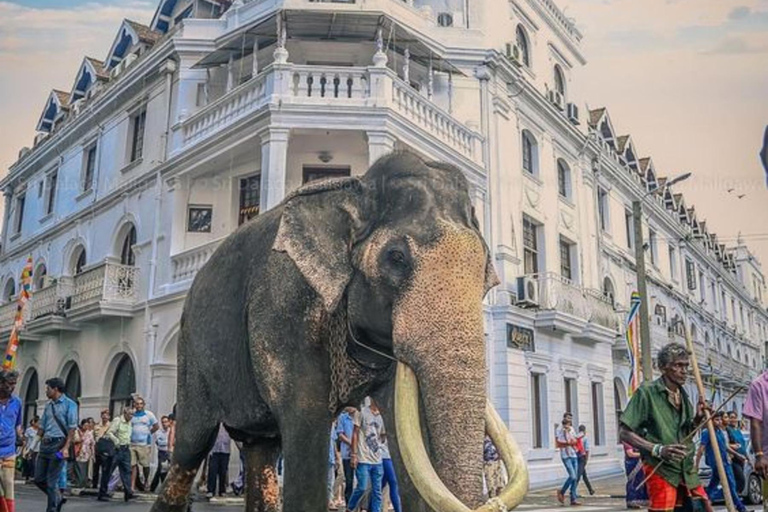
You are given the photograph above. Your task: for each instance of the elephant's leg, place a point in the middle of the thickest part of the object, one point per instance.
(262, 493)
(409, 496)
(306, 441)
(195, 436)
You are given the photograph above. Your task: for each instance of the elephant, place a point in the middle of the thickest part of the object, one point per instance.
(369, 285)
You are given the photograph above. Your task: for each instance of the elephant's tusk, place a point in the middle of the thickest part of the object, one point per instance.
(419, 467)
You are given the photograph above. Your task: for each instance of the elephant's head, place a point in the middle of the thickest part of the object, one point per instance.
(402, 244)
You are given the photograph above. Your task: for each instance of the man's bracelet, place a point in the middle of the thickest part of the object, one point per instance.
(656, 450)
(758, 454)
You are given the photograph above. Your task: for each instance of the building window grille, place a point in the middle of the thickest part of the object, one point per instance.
(50, 200)
(566, 263)
(602, 208)
(138, 123)
(250, 197)
(20, 203)
(690, 274)
(530, 246)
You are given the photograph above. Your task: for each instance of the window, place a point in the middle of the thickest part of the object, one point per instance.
(38, 277)
(724, 302)
(30, 398)
(602, 208)
(629, 225)
(522, 43)
(138, 123)
(598, 425)
(660, 312)
(199, 219)
(538, 395)
(20, 202)
(50, 198)
(9, 292)
(563, 178)
(123, 386)
(673, 263)
(571, 398)
(559, 80)
(530, 153)
(250, 197)
(609, 290)
(127, 256)
(713, 294)
(444, 19)
(652, 247)
(530, 246)
(80, 262)
(690, 274)
(566, 259)
(311, 173)
(89, 167)
(702, 286)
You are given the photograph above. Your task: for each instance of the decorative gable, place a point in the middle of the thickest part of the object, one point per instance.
(90, 72)
(171, 12)
(56, 106)
(132, 36)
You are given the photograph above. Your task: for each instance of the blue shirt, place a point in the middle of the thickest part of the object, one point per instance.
(66, 411)
(10, 421)
(345, 425)
(737, 436)
(709, 454)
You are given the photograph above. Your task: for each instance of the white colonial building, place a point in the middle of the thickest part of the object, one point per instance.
(195, 123)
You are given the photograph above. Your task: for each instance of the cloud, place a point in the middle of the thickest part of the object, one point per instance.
(739, 13)
(736, 46)
(41, 49)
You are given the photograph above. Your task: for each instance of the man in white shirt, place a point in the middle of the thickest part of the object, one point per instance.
(163, 457)
(367, 455)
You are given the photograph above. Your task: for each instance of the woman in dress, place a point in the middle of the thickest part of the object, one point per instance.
(636, 498)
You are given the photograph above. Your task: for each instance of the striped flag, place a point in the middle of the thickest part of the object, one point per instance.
(633, 343)
(25, 289)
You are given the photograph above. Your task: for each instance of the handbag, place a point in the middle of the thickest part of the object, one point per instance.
(49, 446)
(105, 447)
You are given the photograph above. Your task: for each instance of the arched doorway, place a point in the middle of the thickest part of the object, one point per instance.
(123, 386)
(127, 256)
(30, 398)
(72, 386)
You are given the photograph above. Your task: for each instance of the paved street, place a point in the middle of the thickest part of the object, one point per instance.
(608, 499)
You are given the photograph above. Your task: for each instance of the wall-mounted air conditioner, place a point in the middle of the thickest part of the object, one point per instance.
(527, 291)
(556, 99)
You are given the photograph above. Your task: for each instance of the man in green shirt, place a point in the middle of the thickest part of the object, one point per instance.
(656, 421)
(119, 433)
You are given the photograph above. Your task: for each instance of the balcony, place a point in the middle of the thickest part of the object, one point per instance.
(7, 317)
(186, 265)
(364, 98)
(584, 313)
(107, 289)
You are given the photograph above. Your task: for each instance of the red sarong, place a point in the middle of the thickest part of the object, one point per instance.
(664, 497)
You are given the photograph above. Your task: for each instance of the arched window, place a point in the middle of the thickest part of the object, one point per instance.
(72, 386)
(563, 179)
(30, 398)
(9, 290)
(522, 43)
(559, 80)
(39, 276)
(79, 260)
(127, 256)
(706, 339)
(608, 289)
(123, 386)
(530, 153)
(694, 332)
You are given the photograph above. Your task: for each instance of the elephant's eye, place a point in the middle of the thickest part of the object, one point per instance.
(398, 258)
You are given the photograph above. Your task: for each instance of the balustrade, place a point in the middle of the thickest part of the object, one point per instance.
(109, 282)
(561, 294)
(188, 263)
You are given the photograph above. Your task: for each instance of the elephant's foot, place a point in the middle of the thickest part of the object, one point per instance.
(262, 492)
(174, 495)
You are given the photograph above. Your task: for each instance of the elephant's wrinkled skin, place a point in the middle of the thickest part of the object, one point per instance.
(398, 253)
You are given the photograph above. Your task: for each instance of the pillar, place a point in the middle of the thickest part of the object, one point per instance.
(379, 144)
(163, 390)
(274, 155)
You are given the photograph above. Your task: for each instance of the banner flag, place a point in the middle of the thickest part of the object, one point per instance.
(25, 291)
(633, 344)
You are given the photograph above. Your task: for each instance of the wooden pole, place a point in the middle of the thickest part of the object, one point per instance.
(710, 427)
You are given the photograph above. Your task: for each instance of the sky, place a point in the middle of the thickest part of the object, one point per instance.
(688, 79)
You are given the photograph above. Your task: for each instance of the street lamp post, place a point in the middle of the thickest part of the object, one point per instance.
(642, 285)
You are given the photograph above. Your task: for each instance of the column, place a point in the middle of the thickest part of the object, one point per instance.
(8, 198)
(163, 388)
(274, 153)
(379, 144)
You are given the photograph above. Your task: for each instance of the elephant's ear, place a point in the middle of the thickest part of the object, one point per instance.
(319, 225)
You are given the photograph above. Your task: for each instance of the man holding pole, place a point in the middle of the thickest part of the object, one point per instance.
(657, 422)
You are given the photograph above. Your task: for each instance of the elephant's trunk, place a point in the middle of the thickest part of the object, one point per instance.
(438, 332)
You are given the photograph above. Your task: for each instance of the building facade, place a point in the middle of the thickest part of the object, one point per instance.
(212, 113)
